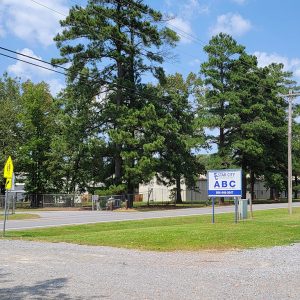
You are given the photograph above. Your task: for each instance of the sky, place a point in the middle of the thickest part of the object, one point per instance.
(267, 28)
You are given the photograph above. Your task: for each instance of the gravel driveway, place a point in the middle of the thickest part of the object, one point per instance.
(30, 270)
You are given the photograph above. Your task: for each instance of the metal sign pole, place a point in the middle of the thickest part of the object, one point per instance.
(5, 213)
(236, 209)
(213, 210)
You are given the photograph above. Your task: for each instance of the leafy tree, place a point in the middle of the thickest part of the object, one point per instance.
(113, 43)
(9, 134)
(223, 52)
(296, 153)
(182, 137)
(35, 122)
(79, 156)
(243, 103)
(260, 117)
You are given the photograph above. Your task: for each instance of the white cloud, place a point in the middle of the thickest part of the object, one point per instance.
(55, 86)
(183, 28)
(27, 71)
(193, 8)
(24, 70)
(32, 22)
(265, 59)
(233, 24)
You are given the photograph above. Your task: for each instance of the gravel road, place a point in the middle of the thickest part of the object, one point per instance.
(30, 270)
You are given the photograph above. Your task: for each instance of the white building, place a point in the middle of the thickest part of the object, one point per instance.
(157, 192)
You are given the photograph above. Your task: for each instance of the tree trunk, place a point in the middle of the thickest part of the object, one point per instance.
(178, 191)
(221, 142)
(118, 165)
(130, 77)
(244, 184)
(252, 181)
(221, 201)
(119, 100)
(222, 153)
(36, 201)
(296, 184)
(272, 193)
(130, 193)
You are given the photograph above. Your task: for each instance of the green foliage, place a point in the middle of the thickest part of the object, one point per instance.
(36, 121)
(181, 136)
(111, 45)
(242, 101)
(111, 190)
(10, 93)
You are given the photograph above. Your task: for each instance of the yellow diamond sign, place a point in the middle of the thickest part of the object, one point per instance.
(8, 168)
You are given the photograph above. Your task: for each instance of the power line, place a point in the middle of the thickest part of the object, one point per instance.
(64, 15)
(84, 75)
(33, 64)
(34, 58)
(41, 4)
(143, 11)
(62, 73)
(187, 34)
(56, 11)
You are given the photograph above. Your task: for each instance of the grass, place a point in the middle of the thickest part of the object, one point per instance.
(20, 216)
(268, 228)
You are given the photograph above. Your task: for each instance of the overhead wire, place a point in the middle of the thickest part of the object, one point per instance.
(31, 57)
(102, 14)
(133, 4)
(192, 38)
(196, 39)
(63, 73)
(187, 34)
(33, 64)
(130, 3)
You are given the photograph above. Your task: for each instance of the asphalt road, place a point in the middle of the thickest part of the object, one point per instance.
(60, 218)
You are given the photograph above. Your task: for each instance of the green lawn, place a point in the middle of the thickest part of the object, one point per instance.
(268, 228)
(20, 216)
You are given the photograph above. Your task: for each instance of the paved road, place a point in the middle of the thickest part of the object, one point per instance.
(59, 218)
(31, 270)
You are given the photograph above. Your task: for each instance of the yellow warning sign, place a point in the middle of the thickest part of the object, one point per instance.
(8, 184)
(8, 168)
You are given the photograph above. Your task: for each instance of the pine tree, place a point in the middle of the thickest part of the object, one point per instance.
(177, 159)
(112, 44)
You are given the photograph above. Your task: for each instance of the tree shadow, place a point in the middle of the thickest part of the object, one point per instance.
(47, 289)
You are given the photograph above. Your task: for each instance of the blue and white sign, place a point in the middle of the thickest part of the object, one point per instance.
(224, 183)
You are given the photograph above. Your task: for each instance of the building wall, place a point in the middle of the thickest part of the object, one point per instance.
(160, 193)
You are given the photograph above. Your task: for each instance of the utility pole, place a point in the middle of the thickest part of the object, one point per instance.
(290, 97)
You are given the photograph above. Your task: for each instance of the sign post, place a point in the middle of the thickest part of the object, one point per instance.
(8, 174)
(213, 210)
(236, 210)
(224, 183)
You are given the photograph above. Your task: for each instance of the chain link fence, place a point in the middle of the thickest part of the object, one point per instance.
(150, 197)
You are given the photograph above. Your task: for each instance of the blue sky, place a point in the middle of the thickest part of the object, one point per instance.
(268, 28)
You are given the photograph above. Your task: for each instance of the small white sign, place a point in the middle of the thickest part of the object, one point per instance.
(224, 183)
(95, 198)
